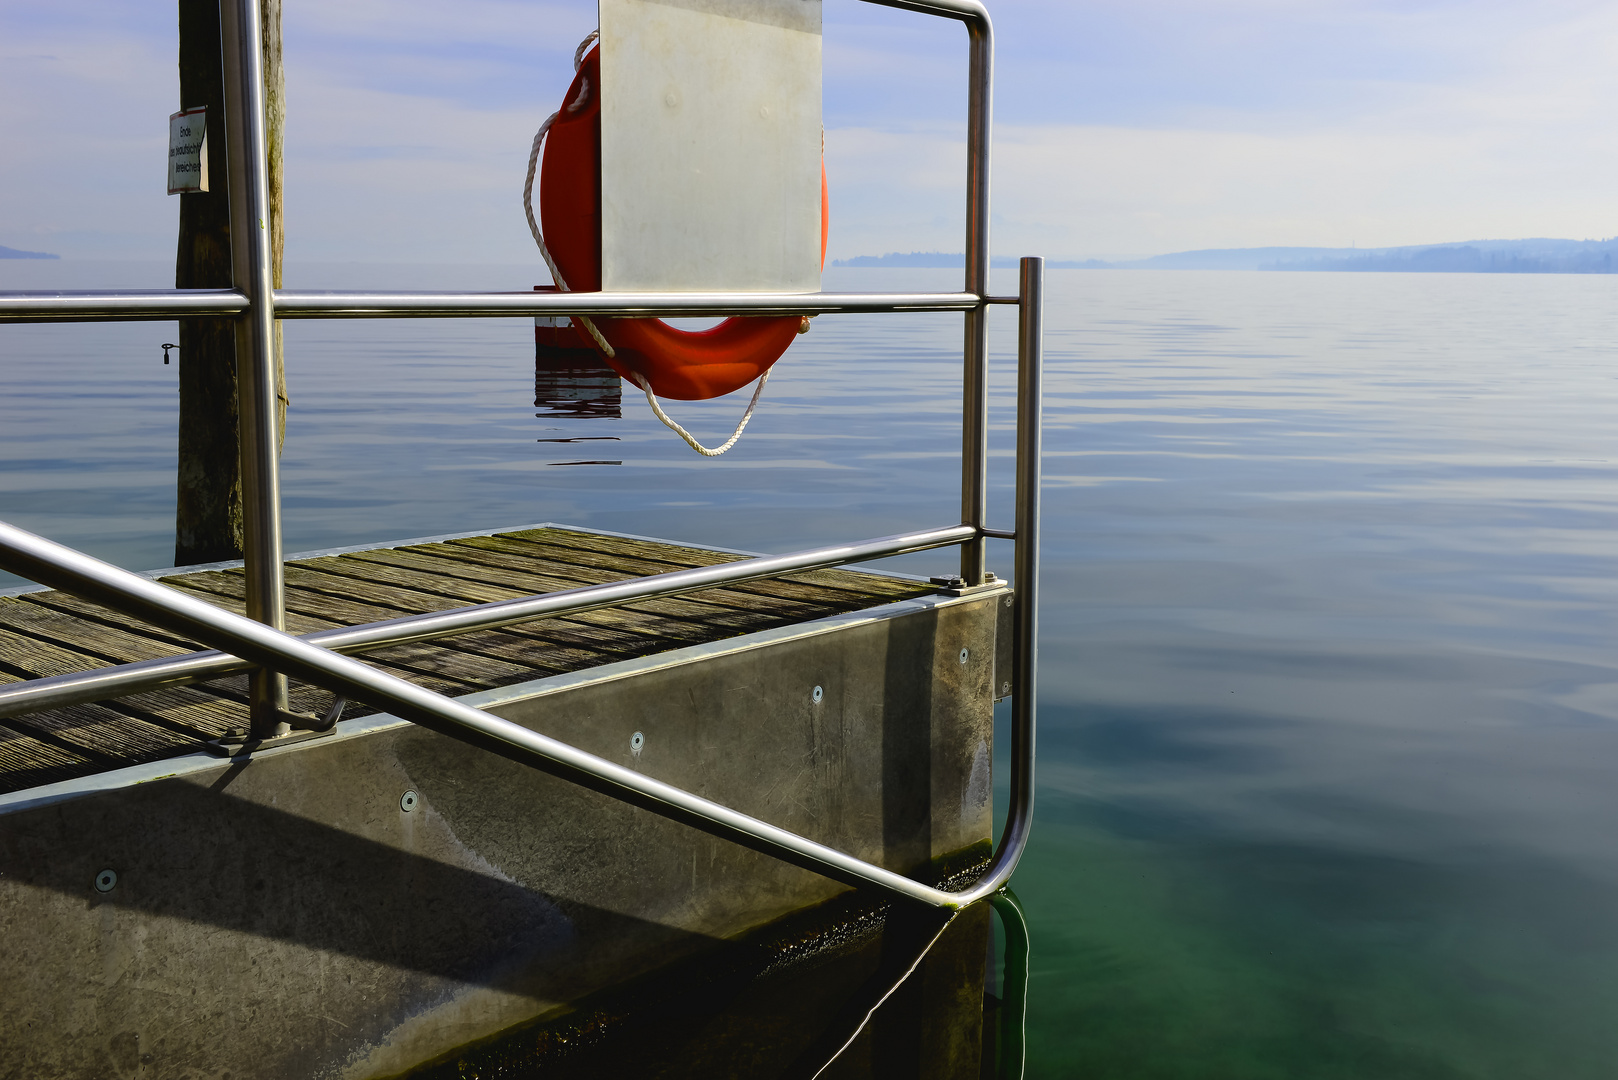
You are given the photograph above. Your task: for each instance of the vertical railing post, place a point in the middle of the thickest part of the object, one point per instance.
(975, 354)
(241, 33)
(1025, 647)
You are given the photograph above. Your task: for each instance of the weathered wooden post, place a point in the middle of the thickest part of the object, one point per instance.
(208, 513)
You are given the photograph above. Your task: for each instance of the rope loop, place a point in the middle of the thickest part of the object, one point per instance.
(690, 440)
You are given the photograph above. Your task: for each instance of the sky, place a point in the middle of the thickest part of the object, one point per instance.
(1121, 128)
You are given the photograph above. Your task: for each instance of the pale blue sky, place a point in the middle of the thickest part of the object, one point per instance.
(1142, 127)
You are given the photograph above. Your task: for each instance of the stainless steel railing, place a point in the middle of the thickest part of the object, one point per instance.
(247, 150)
(253, 641)
(259, 643)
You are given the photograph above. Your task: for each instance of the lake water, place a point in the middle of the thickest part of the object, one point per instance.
(1329, 713)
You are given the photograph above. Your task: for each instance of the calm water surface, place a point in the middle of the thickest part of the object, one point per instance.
(1329, 719)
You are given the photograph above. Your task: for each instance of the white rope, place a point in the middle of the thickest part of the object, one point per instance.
(651, 399)
(909, 971)
(584, 47)
(528, 194)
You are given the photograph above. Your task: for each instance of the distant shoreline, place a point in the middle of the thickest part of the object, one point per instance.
(13, 253)
(1533, 256)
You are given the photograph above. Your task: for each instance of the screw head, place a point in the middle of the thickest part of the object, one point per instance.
(106, 880)
(964, 655)
(1005, 688)
(1008, 601)
(407, 801)
(816, 694)
(637, 743)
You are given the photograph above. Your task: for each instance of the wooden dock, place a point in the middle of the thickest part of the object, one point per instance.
(52, 633)
(450, 909)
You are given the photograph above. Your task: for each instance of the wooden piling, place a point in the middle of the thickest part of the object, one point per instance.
(208, 512)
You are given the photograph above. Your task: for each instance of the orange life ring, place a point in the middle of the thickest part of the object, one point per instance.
(681, 364)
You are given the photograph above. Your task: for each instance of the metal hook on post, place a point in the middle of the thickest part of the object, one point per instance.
(167, 345)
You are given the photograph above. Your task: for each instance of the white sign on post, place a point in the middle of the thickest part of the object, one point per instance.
(710, 145)
(188, 151)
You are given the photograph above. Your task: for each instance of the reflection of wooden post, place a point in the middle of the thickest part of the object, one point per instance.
(208, 514)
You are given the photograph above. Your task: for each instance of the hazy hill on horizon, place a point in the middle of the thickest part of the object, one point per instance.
(1540, 255)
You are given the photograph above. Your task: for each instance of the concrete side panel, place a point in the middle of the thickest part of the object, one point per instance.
(291, 916)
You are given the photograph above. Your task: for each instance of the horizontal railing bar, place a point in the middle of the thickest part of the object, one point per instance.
(1002, 299)
(999, 534)
(103, 684)
(359, 305)
(63, 568)
(66, 306)
(297, 304)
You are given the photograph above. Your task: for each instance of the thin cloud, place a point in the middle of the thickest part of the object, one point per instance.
(1142, 127)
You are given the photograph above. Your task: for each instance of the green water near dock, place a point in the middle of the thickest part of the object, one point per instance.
(1202, 958)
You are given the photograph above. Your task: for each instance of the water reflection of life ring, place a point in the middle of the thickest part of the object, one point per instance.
(681, 364)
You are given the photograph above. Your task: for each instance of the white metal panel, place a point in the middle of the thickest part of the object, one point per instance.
(710, 145)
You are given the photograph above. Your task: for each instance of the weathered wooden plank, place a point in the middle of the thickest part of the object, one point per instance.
(420, 664)
(403, 592)
(484, 658)
(50, 633)
(478, 660)
(679, 555)
(202, 710)
(457, 665)
(334, 578)
(52, 617)
(229, 591)
(831, 588)
(82, 626)
(27, 761)
(436, 666)
(336, 611)
(103, 616)
(517, 564)
(27, 657)
(118, 737)
(712, 624)
(449, 563)
(192, 713)
(101, 735)
(456, 592)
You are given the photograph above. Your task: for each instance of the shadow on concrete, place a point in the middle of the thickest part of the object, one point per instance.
(185, 852)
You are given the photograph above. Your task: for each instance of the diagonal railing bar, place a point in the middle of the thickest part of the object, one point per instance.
(104, 683)
(61, 567)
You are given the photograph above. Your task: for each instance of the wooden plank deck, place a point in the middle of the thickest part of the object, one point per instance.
(51, 633)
